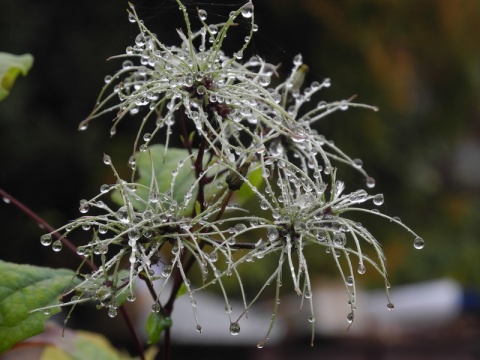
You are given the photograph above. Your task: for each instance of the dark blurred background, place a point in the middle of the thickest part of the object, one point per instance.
(419, 62)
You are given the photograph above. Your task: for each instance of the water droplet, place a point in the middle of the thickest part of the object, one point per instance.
(272, 233)
(370, 181)
(104, 188)
(107, 79)
(199, 329)
(147, 137)
(260, 344)
(81, 250)
(57, 246)
(343, 105)
(264, 80)
(418, 243)
(213, 28)
(46, 239)
(132, 257)
(131, 297)
(201, 90)
(46, 311)
(390, 306)
(213, 256)
(247, 11)
(112, 312)
(6, 200)
(361, 269)
(127, 64)
(311, 318)
(156, 307)
(107, 160)
(131, 17)
(239, 228)
(202, 14)
(349, 281)
(167, 269)
(234, 328)
(298, 60)
(350, 318)
(378, 199)
(264, 205)
(123, 214)
(132, 162)
(339, 239)
(134, 234)
(140, 40)
(83, 206)
(154, 197)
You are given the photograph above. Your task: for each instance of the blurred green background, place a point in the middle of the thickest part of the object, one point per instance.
(418, 61)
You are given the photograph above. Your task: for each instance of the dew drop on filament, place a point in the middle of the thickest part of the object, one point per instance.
(378, 199)
(57, 246)
(234, 328)
(418, 243)
(370, 182)
(112, 312)
(361, 269)
(107, 160)
(247, 11)
(46, 239)
(202, 14)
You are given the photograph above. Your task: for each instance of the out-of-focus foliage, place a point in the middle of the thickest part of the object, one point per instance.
(419, 62)
(10, 67)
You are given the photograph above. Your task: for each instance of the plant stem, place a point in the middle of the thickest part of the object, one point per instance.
(44, 225)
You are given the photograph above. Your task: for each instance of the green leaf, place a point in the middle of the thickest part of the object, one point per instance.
(182, 290)
(246, 193)
(10, 67)
(163, 166)
(24, 288)
(162, 170)
(156, 324)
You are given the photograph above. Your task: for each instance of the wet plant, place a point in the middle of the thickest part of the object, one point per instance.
(252, 164)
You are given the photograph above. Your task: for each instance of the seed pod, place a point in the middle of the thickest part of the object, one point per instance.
(235, 178)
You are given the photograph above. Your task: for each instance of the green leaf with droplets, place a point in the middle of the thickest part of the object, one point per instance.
(163, 166)
(154, 162)
(10, 67)
(246, 193)
(155, 325)
(24, 288)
